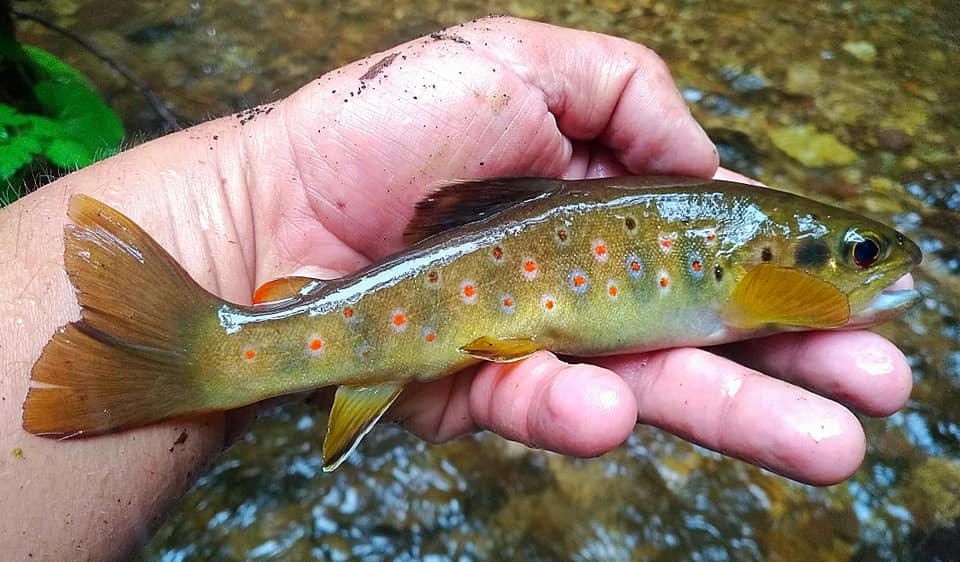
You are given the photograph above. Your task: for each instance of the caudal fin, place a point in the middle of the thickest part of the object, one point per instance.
(126, 362)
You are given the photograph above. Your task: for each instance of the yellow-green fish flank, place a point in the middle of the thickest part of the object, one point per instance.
(497, 270)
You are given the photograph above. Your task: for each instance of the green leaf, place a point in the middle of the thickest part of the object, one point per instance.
(7, 114)
(13, 156)
(76, 127)
(10, 117)
(68, 99)
(42, 128)
(26, 143)
(68, 154)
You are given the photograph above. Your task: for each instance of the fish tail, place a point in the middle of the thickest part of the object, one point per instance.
(127, 361)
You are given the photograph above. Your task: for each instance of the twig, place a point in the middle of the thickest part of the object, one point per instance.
(168, 119)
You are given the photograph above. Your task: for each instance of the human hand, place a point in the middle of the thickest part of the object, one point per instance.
(502, 97)
(323, 182)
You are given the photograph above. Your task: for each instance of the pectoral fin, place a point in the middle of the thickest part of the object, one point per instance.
(770, 294)
(355, 411)
(502, 350)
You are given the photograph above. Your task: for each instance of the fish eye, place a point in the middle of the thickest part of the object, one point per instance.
(865, 248)
(866, 252)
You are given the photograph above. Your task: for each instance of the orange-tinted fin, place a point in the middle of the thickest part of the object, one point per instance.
(458, 203)
(770, 294)
(356, 409)
(124, 363)
(286, 288)
(502, 350)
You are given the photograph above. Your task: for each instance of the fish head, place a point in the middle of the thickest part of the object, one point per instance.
(862, 258)
(872, 258)
(820, 267)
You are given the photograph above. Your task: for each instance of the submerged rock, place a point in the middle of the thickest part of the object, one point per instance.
(863, 51)
(810, 147)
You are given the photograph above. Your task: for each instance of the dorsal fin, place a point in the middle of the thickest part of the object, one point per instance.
(457, 203)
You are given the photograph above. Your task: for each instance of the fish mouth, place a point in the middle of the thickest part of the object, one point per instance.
(888, 303)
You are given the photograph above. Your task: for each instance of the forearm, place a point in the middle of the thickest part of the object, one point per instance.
(99, 497)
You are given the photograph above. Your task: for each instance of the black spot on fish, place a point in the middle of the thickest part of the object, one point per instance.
(630, 223)
(718, 272)
(766, 254)
(812, 253)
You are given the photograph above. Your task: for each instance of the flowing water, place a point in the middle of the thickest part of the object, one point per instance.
(857, 103)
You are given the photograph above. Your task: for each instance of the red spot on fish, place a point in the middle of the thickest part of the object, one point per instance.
(664, 282)
(348, 312)
(507, 304)
(497, 253)
(666, 243)
(529, 269)
(562, 236)
(697, 266)
(579, 283)
(428, 334)
(249, 354)
(548, 304)
(398, 320)
(612, 289)
(711, 236)
(468, 292)
(635, 266)
(600, 250)
(315, 345)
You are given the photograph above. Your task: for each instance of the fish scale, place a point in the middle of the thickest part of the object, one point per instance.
(579, 322)
(496, 270)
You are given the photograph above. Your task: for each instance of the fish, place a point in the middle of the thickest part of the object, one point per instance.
(494, 271)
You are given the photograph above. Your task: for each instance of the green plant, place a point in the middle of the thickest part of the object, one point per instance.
(65, 123)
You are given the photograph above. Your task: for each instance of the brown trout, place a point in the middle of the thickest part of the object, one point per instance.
(496, 271)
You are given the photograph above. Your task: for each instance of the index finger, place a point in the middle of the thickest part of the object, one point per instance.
(608, 89)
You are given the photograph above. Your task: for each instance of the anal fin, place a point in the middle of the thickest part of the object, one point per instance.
(356, 409)
(502, 350)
